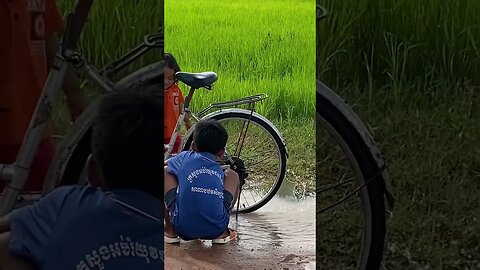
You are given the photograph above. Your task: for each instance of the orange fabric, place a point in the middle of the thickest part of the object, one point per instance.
(24, 27)
(173, 100)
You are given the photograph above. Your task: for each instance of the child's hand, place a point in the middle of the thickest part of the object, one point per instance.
(188, 124)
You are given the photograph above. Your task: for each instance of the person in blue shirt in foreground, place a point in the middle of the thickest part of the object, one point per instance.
(116, 221)
(199, 195)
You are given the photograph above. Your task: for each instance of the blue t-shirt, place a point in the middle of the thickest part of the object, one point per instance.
(199, 210)
(85, 228)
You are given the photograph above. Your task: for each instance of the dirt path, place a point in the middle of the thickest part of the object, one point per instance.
(198, 254)
(280, 235)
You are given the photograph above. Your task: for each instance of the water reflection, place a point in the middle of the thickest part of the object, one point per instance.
(281, 223)
(280, 234)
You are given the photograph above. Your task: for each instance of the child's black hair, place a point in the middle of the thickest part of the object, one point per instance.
(171, 62)
(210, 136)
(127, 141)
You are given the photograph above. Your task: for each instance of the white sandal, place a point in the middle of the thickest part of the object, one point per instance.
(231, 236)
(171, 240)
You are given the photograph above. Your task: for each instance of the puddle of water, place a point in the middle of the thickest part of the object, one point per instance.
(280, 235)
(286, 223)
(310, 266)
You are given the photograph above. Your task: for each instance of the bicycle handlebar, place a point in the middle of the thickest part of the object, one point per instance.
(75, 23)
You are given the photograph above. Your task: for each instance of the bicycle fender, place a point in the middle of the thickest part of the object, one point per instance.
(150, 74)
(363, 131)
(67, 147)
(147, 75)
(243, 111)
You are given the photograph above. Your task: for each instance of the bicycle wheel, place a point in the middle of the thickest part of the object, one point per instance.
(69, 163)
(259, 145)
(348, 163)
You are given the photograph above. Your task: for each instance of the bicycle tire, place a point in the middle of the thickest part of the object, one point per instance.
(357, 140)
(67, 173)
(265, 124)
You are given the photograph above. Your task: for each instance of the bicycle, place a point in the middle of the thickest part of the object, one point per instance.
(67, 166)
(69, 161)
(363, 170)
(263, 181)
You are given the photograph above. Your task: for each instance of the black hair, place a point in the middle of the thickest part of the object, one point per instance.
(171, 62)
(127, 141)
(210, 136)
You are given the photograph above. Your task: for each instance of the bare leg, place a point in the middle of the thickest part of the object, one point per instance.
(7, 260)
(170, 183)
(168, 231)
(231, 183)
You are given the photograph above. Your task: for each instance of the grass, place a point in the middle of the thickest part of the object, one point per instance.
(247, 50)
(410, 70)
(399, 42)
(300, 138)
(115, 27)
(431, 144)
(253, 46)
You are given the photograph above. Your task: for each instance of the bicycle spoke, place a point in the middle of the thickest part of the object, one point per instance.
(254, 189)
(241, 138)
(245, 198)
(251, 164)
(251, 141)
(341, 200)
(259, 194)
(256, 148)
(337, 183)
(342, 183)
(254, 164)
(255, 155)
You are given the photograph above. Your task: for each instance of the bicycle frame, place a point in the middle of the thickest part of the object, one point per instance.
(250, 100)
(16, 174)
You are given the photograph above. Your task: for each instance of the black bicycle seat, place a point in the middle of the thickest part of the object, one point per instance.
(197, 80)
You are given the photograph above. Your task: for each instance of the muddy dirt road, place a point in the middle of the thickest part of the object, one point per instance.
(281, 235)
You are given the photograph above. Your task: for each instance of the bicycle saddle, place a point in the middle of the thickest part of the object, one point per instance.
(197, 80)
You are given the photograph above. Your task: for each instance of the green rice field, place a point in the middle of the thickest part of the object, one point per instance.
(115, 27)
(411, 69)
(253, 46)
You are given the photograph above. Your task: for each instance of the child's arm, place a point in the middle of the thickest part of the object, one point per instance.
(32, 226)
(188, 124)
(54, 24)
(76, 102)
(9, 261)
(174, 163)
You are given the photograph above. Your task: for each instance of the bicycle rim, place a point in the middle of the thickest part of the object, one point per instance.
(262, 152)
(343, 233)
(70, 169)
